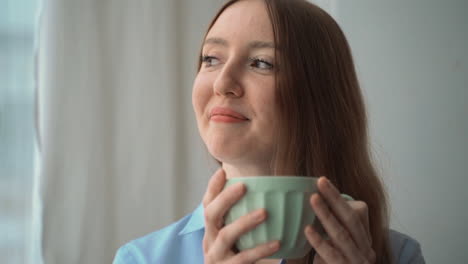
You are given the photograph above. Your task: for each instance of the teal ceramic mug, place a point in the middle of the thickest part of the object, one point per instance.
(286, 199)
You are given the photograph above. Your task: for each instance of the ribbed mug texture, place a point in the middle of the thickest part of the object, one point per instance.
(286, 199)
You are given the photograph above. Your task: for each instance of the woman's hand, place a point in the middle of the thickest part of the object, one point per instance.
(219, 240)
(345, 222)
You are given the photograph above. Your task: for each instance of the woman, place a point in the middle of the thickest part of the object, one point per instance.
(276, 94)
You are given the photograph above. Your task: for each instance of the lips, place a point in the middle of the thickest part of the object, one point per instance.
(223, 113)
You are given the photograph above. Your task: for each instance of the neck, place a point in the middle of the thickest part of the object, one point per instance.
(233, 171)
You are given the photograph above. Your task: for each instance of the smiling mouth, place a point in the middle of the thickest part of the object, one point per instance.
(223, 118)
(226, 115)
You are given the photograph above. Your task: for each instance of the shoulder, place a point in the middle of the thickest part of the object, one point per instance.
(170, 244)
(405, 249)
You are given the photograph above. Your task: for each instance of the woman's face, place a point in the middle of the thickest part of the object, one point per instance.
(233, 93)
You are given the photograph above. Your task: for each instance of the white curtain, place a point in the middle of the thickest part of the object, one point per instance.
(119, 149)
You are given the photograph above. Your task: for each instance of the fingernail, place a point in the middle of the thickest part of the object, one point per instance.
(315, 197)
(326, 181)
(259, 215)
(240, 186)
(274, 244)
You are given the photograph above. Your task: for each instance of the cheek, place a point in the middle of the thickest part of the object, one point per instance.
(201, 93)
(266, 102)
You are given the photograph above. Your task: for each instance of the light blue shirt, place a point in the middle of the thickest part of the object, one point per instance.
(181, 243)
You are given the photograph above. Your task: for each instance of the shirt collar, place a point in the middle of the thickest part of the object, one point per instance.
(195, 223)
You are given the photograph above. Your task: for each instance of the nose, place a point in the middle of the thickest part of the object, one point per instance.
(227, 82)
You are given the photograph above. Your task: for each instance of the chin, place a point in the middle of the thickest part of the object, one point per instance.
(225, 151)
(221, 153)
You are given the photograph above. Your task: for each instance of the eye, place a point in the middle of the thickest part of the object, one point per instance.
(209, 60)
(260, 64)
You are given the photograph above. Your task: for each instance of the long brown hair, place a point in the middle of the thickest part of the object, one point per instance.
(323, 123)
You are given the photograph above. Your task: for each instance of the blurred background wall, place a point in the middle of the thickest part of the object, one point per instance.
(17, 144)
(412, 59)
(120, 154)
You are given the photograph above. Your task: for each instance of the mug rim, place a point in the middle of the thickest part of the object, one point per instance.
(279, 177)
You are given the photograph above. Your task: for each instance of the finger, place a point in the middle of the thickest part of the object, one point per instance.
(254, 254)
(339, 235)
(323, 247)
(344, 213)
(318, 259)
(362, 211)
(215, 186)
(215, 211)
(229, 234)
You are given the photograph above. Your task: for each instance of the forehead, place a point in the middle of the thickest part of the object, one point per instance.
(244, 20)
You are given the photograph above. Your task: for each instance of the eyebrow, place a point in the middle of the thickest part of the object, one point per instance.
(253, 45)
